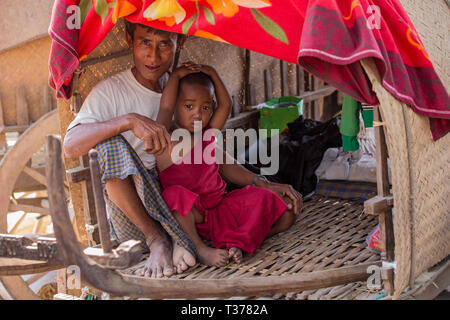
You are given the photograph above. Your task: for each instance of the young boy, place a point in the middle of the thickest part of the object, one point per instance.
(195, 192)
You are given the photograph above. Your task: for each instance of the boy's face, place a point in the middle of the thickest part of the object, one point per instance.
(153, 53)
(194, 103)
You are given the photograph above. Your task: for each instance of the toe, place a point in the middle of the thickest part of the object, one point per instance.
(183, 266)
(189, 260)
(168, 271)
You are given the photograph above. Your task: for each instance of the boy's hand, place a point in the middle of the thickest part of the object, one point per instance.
(185, 69)
(210, 71)
(286, 190)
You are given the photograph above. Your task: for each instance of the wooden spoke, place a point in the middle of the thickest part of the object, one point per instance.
(35, 278)
(39, 177)
(18, 222)
(29, 208)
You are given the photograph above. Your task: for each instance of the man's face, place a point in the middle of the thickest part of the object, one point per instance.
(153, 53)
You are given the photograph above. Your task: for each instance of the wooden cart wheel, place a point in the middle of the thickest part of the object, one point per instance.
(15, 164)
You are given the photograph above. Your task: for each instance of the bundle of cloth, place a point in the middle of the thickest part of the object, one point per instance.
(356, 165)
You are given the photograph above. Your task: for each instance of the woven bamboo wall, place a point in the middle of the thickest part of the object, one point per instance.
(432, 21)
(23, 20)
(27, 66)
(421, 184)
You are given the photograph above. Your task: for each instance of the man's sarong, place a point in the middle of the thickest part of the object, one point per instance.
(117, 159)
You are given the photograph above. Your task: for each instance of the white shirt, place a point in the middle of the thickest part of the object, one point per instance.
(119, 95)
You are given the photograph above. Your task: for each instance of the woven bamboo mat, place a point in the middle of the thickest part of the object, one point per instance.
(329, 233)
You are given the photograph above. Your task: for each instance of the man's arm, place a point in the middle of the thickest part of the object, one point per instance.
(82, 138)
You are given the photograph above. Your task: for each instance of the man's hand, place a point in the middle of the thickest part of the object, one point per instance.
(156, 138)
(285, 190)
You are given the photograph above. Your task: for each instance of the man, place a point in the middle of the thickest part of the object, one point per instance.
(128, 104)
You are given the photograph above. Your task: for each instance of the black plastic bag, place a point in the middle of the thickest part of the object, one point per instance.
(301, 151)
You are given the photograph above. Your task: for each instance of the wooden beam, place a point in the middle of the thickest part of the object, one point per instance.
(28, 208)
(20, 247)
(22, 117)
(437, 283)
(324, 91)
(242, 119)
(78, 174)
(16, 266)
(127, 254)
(377, 204)
(19, 129)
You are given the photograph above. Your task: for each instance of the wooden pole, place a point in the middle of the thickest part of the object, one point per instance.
(247, 93)
(3, 143)
(100, 206)
(22, 116)
(284, 78)
(268, 88)
(46, 100)
(300, 80)
(90, 217)
(385, 216)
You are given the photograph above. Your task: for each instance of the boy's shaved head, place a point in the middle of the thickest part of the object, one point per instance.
(199, 78)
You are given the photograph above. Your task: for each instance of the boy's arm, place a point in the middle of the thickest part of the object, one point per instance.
(223, 109)
(168, 100)
(233, 172)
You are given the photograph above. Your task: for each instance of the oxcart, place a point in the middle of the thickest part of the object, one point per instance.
(326, 246)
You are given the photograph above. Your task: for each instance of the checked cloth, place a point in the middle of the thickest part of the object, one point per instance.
(117, 159)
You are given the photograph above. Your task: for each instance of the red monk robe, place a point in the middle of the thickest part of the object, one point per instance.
(241, 218)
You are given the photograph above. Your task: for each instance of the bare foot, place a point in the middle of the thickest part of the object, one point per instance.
(236, 254)
(159, 263)
(212, 257)
(182, 259)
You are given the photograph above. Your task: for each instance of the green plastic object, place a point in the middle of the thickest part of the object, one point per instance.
(288, 100)
(278, 117)
(367, 115)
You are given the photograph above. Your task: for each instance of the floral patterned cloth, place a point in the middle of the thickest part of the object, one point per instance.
(328, 38)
